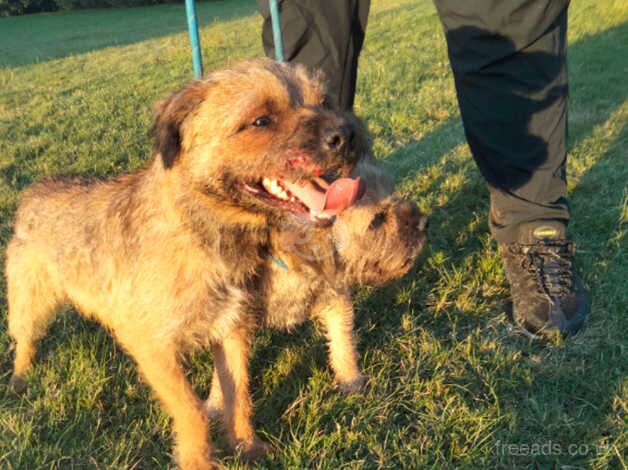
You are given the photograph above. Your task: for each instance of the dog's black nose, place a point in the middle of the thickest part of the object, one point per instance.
(336, 138)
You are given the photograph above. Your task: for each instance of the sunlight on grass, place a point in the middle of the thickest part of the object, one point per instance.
(449, 377)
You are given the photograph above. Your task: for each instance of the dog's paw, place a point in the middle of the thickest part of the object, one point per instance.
(353, 386)
(254, 450)
(18, 384)
(199, 465)
(195, 461)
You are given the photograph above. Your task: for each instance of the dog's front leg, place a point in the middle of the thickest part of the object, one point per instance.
(336, 314)
(231, 358)
(162, 371)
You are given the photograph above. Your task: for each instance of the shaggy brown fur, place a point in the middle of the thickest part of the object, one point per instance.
(169, 258)
(312, 270)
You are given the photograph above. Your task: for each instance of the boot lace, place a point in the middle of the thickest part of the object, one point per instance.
(550, 264)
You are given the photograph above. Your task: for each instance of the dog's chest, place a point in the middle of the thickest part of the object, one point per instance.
(212, 314)
(207, 293)
(289, 296)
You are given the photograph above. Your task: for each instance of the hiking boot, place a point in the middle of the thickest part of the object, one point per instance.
(548, 297)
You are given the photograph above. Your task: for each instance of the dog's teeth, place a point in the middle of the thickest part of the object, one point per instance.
(250, 188)
(274, 188)
(267, 185)
(314, 215)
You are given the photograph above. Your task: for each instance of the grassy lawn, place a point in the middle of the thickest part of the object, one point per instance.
(452, 383)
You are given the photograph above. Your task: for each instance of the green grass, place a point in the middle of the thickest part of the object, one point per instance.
(452, 383)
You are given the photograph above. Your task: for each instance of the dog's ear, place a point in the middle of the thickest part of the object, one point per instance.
(169, 115)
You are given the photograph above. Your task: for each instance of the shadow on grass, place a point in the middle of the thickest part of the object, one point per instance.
(83, 400)
(40, 37)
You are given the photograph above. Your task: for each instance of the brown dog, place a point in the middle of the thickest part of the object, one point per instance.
(312, 269)
(170, 258)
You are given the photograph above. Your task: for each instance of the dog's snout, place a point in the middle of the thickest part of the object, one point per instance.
(337, 138)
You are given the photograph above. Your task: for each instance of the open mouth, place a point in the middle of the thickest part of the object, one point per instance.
(316, 198)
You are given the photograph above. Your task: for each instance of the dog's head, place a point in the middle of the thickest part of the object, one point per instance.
(372, 242)
(379, 241)
(258, 136)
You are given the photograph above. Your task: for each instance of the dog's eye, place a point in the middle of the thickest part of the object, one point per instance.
(262, 121)
(377, 221)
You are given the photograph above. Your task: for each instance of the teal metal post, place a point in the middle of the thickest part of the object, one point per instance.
(276, 23)
(190, 11)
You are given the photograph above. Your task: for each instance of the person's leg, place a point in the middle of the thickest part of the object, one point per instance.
(322, 34)
(509, 65)
(510, 74)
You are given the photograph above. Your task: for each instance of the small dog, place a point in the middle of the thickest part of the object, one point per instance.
(170, 258)
(311, 271)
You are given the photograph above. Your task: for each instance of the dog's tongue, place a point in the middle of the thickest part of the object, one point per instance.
(342, 193)
(320, 196)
